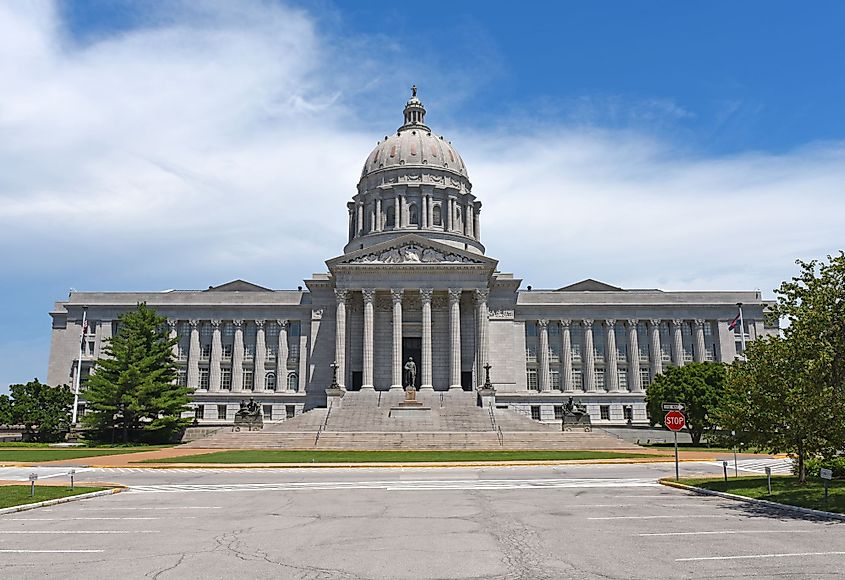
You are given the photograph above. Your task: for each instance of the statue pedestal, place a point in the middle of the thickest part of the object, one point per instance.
(334, 397)
(410, 408)
(487, 398)
(576, 423)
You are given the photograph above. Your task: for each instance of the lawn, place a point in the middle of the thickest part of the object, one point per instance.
(272, 456)
(702, 447)
(785, 489)
(36, 454)
(12, 495)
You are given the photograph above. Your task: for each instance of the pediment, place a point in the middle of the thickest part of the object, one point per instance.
(238, 286)
(411, 250)
(589, 285)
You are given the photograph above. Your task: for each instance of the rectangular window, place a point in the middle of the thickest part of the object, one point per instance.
(531, 352)
(535, 412)
(272, 349)
(665, 353)
(227, 351)
(708, 329)
(577, 380)
(182, 378)
(268, 412)
(182, 351)
(206, 351)
(628, 413)
(248, 380)
(623, 380)
(532, 380)
(558, 412)
(604, 411)
(90, 348)
(249, 350)
(290, 411)
(293, 350)
(199, 412)
(226, 379)
(555, 378)
(80, 410)
(576, 351)
(531, 329)
(221, 412)
(203, 379)
(599, 378)
(645, 378)
(710, 353)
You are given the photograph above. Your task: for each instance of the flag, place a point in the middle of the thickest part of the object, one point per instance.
(734, 322)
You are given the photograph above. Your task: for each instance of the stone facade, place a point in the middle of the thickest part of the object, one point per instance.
(413, 281)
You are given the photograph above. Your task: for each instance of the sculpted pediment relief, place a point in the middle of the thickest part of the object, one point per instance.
(413, 253)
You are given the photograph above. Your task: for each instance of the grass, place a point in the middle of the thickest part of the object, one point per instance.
(12, 495)
(273, 456)
(36, 454)
(785, 490)
(700, 447)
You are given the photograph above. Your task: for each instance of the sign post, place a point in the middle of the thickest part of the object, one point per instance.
(675, 421)
(768, 479)
(826, 475)
(32, 478)
(725, 468)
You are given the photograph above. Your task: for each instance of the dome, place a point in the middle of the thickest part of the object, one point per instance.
(414, 145)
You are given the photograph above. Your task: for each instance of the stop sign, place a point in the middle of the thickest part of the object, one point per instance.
(675, 420)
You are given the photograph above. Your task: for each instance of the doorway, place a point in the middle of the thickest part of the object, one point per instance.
(412, 347)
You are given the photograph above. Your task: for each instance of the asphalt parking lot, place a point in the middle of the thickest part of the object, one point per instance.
(597, 521)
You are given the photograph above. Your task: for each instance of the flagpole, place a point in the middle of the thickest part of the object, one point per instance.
(77, 377)
(741, 329)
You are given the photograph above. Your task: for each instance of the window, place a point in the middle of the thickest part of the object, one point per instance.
(628, 413)
(80, 410)
(182, 351)
(203, 379)
(290, 411)
(623, 380)
(604, 411)
(645, 378)
(535, 412)
(199, 412)
(390, 217)
(438, 218)
(665, 354)
(270, 381)
(413, 214)
(531, 329)
(599, 376)
(708, 329)
(221, 412)
(558, 412)
(710, 353)
(249, 350)
(576, 351)
(248, 380)
(532, 380)
(293, 382)
(206, 351)
(229, 331)
(555, 379)
(226, 379)
(205, 332)
(227, 351)
(268, 412)
(182, 378)
(272, 348)
(531, 352)
(90, 348)
(577, 380)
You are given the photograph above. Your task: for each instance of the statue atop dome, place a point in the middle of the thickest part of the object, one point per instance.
(414, 91)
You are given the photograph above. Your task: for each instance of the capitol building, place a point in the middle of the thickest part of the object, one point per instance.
(414, 282)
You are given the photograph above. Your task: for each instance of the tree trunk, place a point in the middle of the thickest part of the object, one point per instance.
(695, 434)
(802, 474)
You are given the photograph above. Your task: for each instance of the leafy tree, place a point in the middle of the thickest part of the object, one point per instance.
(789, 395)
(5, 410)
(699, 386)
(44, 411)
(133, 388)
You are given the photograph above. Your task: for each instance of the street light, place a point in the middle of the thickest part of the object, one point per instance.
(487, 384)
(334, 384)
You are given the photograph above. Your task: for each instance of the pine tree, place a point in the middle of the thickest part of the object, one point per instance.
(133, 389)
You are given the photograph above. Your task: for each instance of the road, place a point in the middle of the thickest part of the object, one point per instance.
(585, 521)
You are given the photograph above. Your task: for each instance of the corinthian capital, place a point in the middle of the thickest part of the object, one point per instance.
(425, 295)
(396, 295)
(482, 294)
(455, 294)
(341, 294)
(369, 295)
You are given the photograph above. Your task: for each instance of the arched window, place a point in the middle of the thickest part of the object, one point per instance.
(390, 219)
(413, 214)
(293, 382)
(270, 381)
(438, 220)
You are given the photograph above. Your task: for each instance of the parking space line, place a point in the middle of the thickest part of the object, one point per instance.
(79, 532)
(756, 556)
(51, 551)
(675, 516)
(654, 534)
(94, 518)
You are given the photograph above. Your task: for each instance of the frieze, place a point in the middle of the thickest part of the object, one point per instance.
(501, 314)
(413, 254)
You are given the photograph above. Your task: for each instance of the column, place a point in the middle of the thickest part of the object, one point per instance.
(469, 220)
(455, 338)
(304, 326)
(699, 341)
(677, 343)
(611, 366)
(543, 356)
(172, 333)
(656, 355)
(476, 227)
(430, 212)
(424, 211)
(396, 296)
(238, 357)
(216, 357)
(482, 340)
(194, 355)
(425, 298)
(566, 356)
(369, 295)
(396, 212)
(282, 356)
(260, 356)
(634, 383)
(446, 214)
(588, 358)
(340, 336)
(359, 208)
(378, 215)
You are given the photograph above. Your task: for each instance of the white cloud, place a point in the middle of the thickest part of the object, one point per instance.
(224, 141)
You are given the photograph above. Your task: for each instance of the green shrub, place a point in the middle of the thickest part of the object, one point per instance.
(837, 464)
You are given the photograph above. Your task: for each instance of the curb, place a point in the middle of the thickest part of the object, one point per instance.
(763, 502)
(49, 502)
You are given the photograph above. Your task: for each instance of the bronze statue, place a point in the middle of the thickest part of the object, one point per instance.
(410, 373)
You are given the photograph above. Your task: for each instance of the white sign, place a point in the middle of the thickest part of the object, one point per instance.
(673, 406)
(826, 473)
(33, 476)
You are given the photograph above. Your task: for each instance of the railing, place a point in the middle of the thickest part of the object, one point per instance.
(325, 424)
(500, 436)
(441, 399)
(379, 400)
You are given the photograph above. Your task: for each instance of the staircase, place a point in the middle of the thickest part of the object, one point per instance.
(455, 422)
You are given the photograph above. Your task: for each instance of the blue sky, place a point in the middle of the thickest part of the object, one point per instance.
(663, 144)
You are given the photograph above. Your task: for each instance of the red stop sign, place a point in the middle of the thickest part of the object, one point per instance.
(675, 420)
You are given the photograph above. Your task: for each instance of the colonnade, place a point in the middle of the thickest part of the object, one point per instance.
(456, 215)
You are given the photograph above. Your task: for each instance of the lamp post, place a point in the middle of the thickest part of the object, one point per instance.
(487, 384)
(334, 384)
